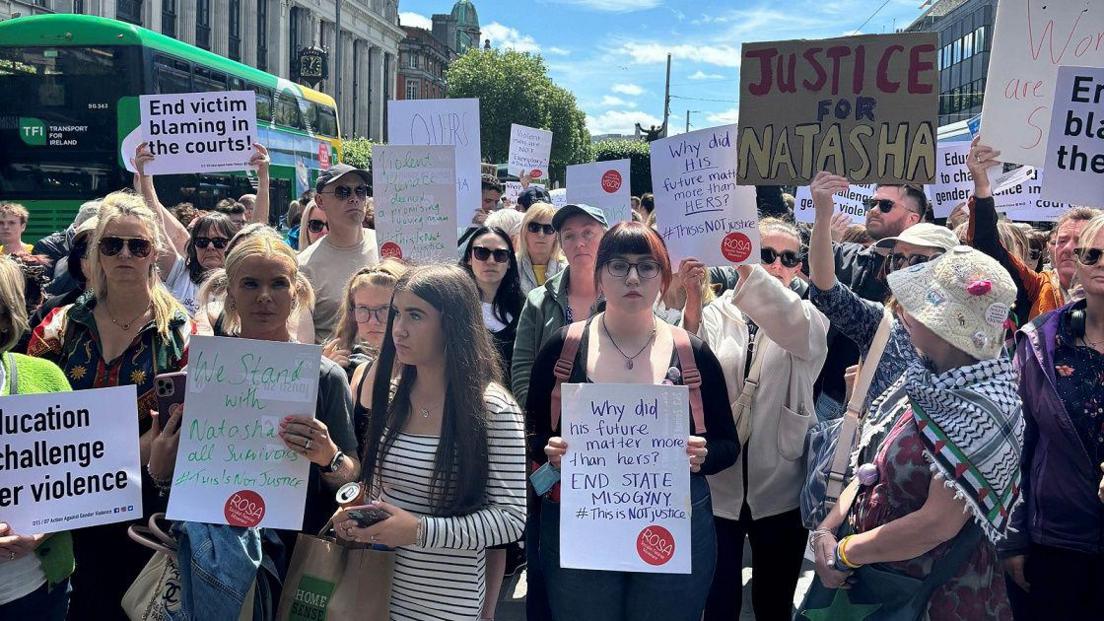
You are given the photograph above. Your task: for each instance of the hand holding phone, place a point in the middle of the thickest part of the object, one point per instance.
(170, 388)
(367, 515)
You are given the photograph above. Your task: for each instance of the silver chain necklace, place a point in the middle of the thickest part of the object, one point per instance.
(628, 359)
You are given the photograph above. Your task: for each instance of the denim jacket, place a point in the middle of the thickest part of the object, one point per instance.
(218, 564)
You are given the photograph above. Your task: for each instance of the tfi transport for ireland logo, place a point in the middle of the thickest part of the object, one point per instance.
(32, 131)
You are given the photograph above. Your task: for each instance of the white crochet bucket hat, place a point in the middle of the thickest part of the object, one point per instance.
(963, 296)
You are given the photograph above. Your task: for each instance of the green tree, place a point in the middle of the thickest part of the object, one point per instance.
(514, 87)
(638, 151)
(357, 152)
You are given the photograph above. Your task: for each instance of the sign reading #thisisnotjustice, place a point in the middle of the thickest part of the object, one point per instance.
(1075, 154)
(706, 214)
(69, 460)
(415, 189)
(199, 132)
(863, 107)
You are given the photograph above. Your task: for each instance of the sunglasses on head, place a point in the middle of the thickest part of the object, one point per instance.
(789, 258)
(1088, 256)
(218, 242)
(537, 227)
(344, 192)
(482, 254)
(316, 226)
(138, 247)
(900, 261)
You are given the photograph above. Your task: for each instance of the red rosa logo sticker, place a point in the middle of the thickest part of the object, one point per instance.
(736, 247)
(536, 173)
(244, 508)
(655, 545)
(390, 250)
(611, 181)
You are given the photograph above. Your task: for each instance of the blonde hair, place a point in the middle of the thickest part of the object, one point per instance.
(535, 211)
(14, 209)
(1089, 234)
(264, 244)
(115, 207)
(304, 220)
(386, 274)
(12, 298)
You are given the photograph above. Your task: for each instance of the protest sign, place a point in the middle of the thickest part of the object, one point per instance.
(444, 122)
(1075, 153)
(625, 480)
(706, 214)
(559, 197)
(850, 203)
(863, 107)
(69, 460)
(512, 189)
(1031, 38)
(530, 150)
(199, 132)
(1025, 202)
(955, 185)
(231, 466)
(604, 185)
(415, 190)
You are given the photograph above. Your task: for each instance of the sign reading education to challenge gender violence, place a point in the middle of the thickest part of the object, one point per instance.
(415, 189)
(708, 216)
(604, 185)
(199, 132)
(530, 151)
(625, 482)
(851, 204)
(1075, 154)
(69, 460)
(863, 107)
(1031, 39)
(231, 465)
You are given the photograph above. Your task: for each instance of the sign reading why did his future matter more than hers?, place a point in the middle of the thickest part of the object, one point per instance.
(232, 467)
(199, 132)
(625, 480)
(69, 460)
(415, 189)
(1075, 153)
(861, 107)
(709, 216)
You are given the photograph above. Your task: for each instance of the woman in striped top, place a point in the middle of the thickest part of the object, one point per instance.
(445, 454)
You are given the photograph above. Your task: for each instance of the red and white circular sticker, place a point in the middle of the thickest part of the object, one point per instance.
(611, 181)
(736, 247)
(244, 508)
(536, 173)
(655, 545)
(324, 155)
(390, 250)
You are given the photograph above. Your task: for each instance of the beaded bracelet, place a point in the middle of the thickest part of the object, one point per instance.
(162, 485)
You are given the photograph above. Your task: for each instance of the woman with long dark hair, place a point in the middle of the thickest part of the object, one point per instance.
(489, 258)
(446, 449)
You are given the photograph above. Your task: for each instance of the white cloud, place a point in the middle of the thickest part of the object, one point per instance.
(613, 6)
(609, 101)
(619, 121)
(416, 20)
(627, 89)
(701, 75)
(724, 117)
(557, 51)
(504, 37)
(721, 55)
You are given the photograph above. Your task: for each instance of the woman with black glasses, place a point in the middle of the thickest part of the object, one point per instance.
(314, 226)
(362, 321)
(489, 258)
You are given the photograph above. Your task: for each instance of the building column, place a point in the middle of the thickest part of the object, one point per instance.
(151, 14)
(186, 21)
(348, 84)
(220, 27)
(391, 73)
(278, 39)
(375, 78)
(363, 107)
(249, 32)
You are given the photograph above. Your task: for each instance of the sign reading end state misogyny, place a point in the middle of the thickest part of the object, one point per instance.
(625, 484)
(199, 132)
(231, 466)
(69, 460)
(415, 201)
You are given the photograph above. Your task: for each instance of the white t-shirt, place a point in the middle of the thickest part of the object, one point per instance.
(493, 324)
(329, 268)
(179, 283)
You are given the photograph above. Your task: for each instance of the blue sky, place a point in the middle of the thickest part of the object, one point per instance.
(611, 53)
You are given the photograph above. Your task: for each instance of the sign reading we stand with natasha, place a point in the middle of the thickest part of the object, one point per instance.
(231, 465)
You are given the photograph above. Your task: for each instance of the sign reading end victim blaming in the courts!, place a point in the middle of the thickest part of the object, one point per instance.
(862, 107)
(199, 132)
(706, 215)
(69, 460)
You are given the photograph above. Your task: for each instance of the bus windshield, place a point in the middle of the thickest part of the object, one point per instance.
(59, 125)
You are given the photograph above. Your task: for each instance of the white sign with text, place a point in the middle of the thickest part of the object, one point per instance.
(199, 132)
(530, 151)
(1075, 153)
(415, 199)
(604, 185)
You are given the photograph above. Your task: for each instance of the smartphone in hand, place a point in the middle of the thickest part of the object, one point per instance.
(170, 391)
(367, 515)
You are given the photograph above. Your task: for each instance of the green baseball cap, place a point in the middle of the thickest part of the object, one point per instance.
(567, 211)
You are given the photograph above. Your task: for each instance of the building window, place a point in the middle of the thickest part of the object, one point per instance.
(203, 24)
(78, 6)
(968, 46)
(168, 18)
(979, 40)
(262, 35)
(234, 47)
(293, 31)
(411, 89)
(956, 51)
(129, 11)
(412, 60)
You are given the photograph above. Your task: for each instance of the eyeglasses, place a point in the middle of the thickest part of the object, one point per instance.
(218, 242)
(344, 192)
(316, 226)
(482, 254)
(646, 269)
(537, 227)
(1088, 256)
(379, 313)
(885, 205)
(789, 258)
(138, 247)
(900, 261)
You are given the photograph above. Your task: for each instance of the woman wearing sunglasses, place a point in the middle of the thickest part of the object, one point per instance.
(126, 330)
(315, 226)
(627, 344)
(1055, 550)
(205, 252)
(539, 256)
(489, 258)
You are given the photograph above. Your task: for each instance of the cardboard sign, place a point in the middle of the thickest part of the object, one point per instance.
(231, 466)
(199, 132)
(69, 460)
(1031, 38)
(863, 107)
(706, 215)
(415, 190)
(444, 122)
(1075, 153)
(530, 151)
(604, 185)
(625, 480)
(850, 203)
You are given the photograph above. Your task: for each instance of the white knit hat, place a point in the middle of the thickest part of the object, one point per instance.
(963, 296)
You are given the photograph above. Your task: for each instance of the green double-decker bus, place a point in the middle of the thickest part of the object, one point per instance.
(70, 87)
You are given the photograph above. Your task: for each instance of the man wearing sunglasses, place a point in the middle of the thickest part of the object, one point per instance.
(342, 193)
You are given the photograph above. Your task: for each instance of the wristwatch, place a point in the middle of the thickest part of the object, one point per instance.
(334, 463)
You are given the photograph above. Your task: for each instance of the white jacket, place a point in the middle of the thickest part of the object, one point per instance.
(792, 338)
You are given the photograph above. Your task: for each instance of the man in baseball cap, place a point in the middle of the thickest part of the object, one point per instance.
(334, 173)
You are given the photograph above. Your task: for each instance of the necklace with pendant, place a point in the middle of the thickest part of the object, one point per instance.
(124, 325)
(629, 359)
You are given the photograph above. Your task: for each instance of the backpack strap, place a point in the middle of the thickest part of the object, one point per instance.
(690, 376)
(565, 365)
